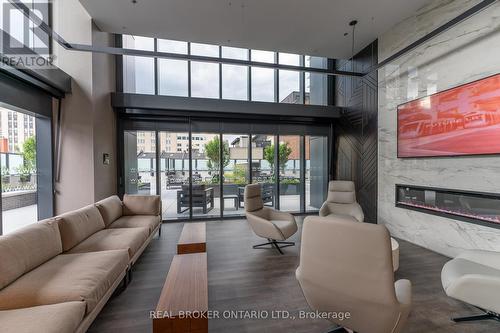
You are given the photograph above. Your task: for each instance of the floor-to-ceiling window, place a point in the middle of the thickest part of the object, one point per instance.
(203, 173)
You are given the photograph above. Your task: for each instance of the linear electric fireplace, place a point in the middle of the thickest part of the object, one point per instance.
(476, 207)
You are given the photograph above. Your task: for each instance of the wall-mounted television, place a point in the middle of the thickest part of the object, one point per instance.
(460, 121)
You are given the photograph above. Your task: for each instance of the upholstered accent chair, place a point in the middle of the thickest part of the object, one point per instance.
(341, 201)
(347, 267)
(473, 277)
(267, 222)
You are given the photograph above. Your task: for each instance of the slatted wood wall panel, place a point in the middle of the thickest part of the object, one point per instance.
(356, 132)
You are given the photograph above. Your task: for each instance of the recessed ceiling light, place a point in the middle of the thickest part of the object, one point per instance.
(134, 1)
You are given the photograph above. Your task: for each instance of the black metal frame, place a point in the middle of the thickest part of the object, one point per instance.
(445, 214)
(278, 245)
(486, 315)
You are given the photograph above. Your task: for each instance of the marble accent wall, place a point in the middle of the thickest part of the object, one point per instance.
(466, 52)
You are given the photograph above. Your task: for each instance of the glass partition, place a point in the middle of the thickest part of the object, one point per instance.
(236, 172)
(316, 173)
(140, 162)
(289, 157)
(206, 164)
(174, 173)
(263, 170)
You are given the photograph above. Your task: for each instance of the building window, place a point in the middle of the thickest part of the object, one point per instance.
(177, 77)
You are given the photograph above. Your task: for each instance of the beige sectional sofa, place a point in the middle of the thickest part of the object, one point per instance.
(56, 275)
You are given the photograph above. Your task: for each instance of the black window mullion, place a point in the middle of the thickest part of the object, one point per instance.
(303, 81)
(302, 164)
(249, 97)
(221, 175)
(276, 79)
(220, 73)
(277, 172)
(158, 163)
(250, 168)
(190, 154)
(189, 70)
(156, 66)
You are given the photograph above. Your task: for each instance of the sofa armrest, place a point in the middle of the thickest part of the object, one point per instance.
(141, 205)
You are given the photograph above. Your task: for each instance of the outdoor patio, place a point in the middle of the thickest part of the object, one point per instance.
(289, 203)
(17, 218)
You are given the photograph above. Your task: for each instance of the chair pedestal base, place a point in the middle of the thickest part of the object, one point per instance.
(278, 245)
(340, 329)
(485, 316)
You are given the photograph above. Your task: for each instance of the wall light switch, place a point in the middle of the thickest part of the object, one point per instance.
(105, 159)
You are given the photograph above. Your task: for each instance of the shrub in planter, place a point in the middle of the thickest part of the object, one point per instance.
(24, 174)
(5, 175)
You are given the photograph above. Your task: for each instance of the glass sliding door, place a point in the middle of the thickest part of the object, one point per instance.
(236, 172)
(206, 165)
(289, 157)
(316, 173)
(140, 162)
(263, 170)
(18, 157)
(201, 170)
(174, 174)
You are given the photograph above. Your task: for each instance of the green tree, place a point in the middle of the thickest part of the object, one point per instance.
(212, 149)
(284, 152)
(29, 153)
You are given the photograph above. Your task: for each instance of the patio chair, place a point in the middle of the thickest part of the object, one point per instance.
(203, 197)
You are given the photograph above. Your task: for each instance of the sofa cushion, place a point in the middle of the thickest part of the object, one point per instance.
(110, 208)
(54, 318)
(141, 205)
(67, 277)
(79, 224)
(27, 248)
(134, 221)
(130, 239)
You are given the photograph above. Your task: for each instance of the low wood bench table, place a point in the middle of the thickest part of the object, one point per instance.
(193, 238)
(183, 303)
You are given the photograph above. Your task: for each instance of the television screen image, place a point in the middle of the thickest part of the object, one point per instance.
(461, 121)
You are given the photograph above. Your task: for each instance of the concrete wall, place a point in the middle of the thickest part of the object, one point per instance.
(464, 53)
(104, 82)
(88, 125)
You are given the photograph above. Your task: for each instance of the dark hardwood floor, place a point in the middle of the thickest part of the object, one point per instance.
(241, 278)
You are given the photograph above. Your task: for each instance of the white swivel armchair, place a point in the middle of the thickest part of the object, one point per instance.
(267, 222)
(341, 201)
(347, 267)
(473, 277)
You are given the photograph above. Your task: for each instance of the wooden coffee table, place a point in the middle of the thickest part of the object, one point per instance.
(183, 303)
(193, 238)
